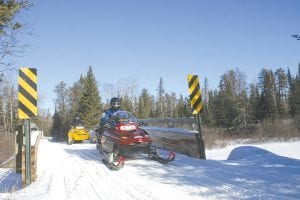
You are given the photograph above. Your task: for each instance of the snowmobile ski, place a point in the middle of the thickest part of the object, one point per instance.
(116, 165)
(154, 155)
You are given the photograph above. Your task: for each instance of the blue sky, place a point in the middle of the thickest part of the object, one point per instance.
(143, 40)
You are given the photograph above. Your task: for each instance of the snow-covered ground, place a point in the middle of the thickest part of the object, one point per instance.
(268, 171)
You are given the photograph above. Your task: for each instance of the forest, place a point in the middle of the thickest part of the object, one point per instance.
(234, 106)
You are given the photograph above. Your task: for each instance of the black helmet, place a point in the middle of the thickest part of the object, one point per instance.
(115, 103)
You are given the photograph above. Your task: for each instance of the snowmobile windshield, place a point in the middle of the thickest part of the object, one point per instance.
(123, 117)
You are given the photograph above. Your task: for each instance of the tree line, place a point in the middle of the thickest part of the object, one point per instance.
(276, 95)
(235, 104)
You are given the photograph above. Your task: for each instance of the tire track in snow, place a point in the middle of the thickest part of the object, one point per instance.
(117, 181)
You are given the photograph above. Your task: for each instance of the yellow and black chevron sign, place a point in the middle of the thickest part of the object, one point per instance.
(27, 93)
(195, 94)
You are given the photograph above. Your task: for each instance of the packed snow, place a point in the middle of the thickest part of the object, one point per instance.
(266, 171)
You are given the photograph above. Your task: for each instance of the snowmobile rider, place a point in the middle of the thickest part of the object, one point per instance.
(76, 122)
(115, 105)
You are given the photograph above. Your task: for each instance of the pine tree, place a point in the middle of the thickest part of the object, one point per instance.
(281, 91)
(220, 110)
(144, 104)
(297, 97)
(242, 103)
(161, 108)
(227, 100)
(56, 125)
(61, 119)
(152, 106)
(183, 107)
(89, 105)
(291, 93)
(268, 100)
(74, 95)
(141, 108)
(126, 103)
(254, 103)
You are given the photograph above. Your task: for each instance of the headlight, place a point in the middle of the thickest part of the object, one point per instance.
(127, 127)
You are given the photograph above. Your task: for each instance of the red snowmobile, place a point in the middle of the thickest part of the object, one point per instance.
(122, 137)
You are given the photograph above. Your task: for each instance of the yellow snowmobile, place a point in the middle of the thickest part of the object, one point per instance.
(77, 132)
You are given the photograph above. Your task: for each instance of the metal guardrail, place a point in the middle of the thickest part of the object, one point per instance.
(185, 123)
(173, 139)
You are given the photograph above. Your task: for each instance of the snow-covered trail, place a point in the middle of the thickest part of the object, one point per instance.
(250, 172)
(77, 172)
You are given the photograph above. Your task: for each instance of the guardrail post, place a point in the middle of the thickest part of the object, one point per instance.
(199, 138)
(27, 152)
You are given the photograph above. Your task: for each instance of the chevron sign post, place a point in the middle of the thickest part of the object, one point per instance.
(197, 107)
(27, 109)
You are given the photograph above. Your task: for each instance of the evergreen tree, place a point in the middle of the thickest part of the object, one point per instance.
(75, 94)
(89, 105)
(220, 110)
(56, 125)
(61, 119)
(141, 108)
(161, 109)
(126, 103)
(297, 98)
(281, 91)
(268, 100)
(231, 102)
(254, 103)
(291, 93)
(135, 105)
(227, 100)
(242, 100)
(183, 107)
(144, 104)
(152, 106)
